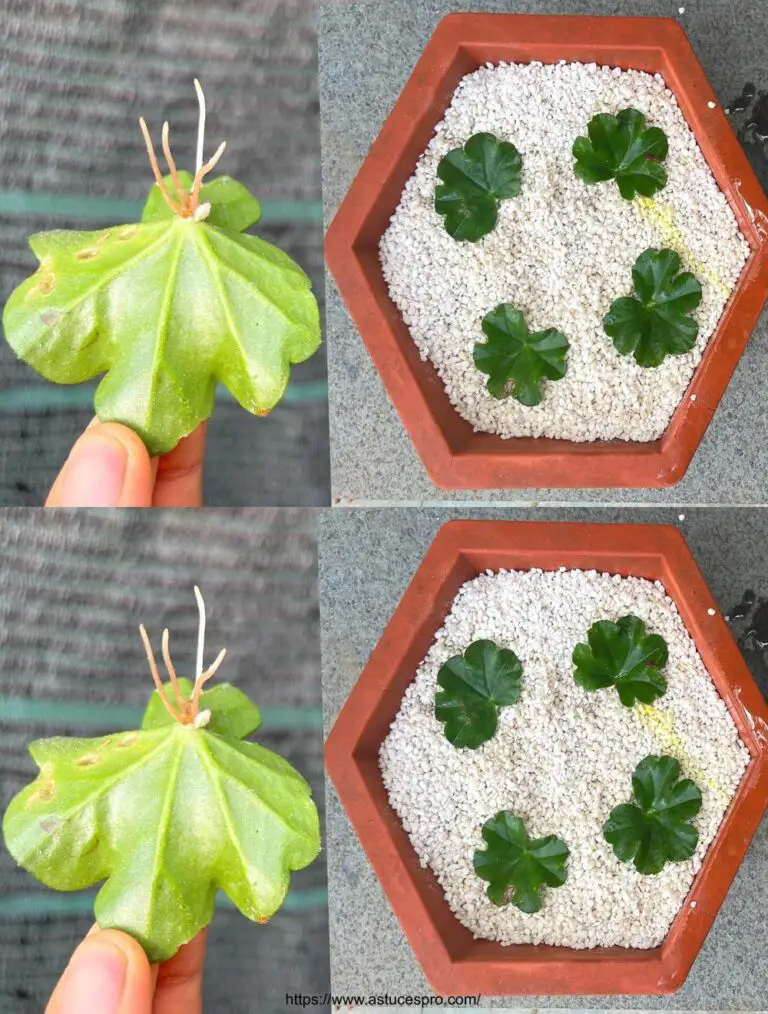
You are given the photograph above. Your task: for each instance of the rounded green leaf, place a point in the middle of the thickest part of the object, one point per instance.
(233, 714)
(233, 206)
(622, 655)
(654, 828)
(473, 688)
(165, 816)
(166, 309)
(654, 323)
(474, 179)
(515, 360)
(516, 866)
(622, 148)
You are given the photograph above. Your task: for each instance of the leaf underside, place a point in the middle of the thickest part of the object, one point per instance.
(166, 816)
(475, 179)
(473, 688)
(654, 323)
(621, 147)
(516, 360)
(166, 308)
(518, 867)
(655, 827)
(621, 655)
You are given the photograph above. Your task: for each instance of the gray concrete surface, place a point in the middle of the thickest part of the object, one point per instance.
(367, 558)
(367, 50)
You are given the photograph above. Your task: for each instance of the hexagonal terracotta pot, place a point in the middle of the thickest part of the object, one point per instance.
(453, 961)
(454, 455)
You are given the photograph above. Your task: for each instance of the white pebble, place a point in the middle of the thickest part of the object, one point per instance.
(711, 612)
(681, 517)
(561, 252)
(562, 758)
(712, 105)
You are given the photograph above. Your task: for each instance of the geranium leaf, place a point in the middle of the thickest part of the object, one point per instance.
(622, 148)
(474, 686)
(233, 206)
(654, 828)
(516, 360)
(654, 323)
(233, 714)
(516, 866)
(621, 655)
(474, 179)
(166, 308)
(166, 816)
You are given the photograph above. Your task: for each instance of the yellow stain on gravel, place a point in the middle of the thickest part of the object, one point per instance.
(660, 724)
(661, 218)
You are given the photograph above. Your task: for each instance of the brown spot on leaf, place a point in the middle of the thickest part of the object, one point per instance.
(87, 760)
(87, 254)
(129, 739)
(262, 919)
(262, 412)
(51, 317)
(128, 232)
(45, 790)
(46, 283)
(50, 824)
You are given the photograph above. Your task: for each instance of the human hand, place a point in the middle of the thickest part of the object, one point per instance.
(109, 467)
(109, 974)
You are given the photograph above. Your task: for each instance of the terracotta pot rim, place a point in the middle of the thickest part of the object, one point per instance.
(452, 960)
(454, 455)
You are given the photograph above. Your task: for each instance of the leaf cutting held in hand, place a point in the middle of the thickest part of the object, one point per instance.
(474, 179)
(518, 867)
(474, 686)
(622, 148)
(168, 307)
(622, 655)
(167, 815)
(655, 323)
(655, 827)
(517, 360)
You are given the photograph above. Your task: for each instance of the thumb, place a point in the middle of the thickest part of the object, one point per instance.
(109, 974)
(109, 466)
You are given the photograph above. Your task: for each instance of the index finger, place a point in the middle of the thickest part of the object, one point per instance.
(179, 988)
(179, 481)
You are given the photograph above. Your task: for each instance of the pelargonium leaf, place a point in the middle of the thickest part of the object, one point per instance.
(621, 655)
(516, 360)
(474, 686)
(474, 179)
(654, 323)
(622, 148)
(166, 308)
(233, 714)
(166, 816)
(233, 206)
(654, 828)
(518, 867)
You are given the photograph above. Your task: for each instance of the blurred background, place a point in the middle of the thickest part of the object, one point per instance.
(74, 586)
(75, 75)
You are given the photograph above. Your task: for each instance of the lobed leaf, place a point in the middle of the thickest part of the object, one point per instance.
(516, 866)
(654, 828)
(515, 360)
(166, 308)
(474, 686)
(166, 816)
(654, 323)
(474, 179)
(621, 655)
(622, 148)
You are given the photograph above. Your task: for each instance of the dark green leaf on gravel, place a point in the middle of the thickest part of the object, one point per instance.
(622, 148)
(474, 686)
(518, 867)
(474, 179)
(516, 360)
(621, 655)
(654, 828)
(654, 323)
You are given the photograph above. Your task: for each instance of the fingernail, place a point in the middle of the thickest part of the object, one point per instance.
(94, 473)
(94, 981)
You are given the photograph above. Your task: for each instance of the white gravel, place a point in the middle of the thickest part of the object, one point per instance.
(561, 759)
(561, 252)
